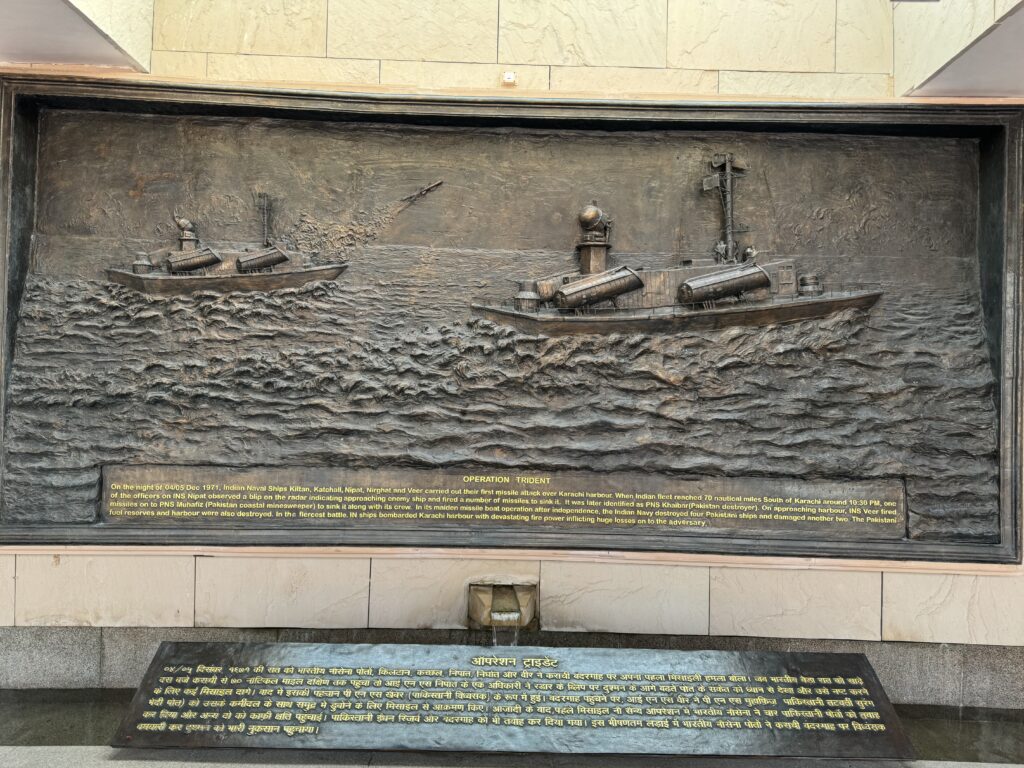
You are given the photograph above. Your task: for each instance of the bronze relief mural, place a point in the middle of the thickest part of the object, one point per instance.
(244, 292)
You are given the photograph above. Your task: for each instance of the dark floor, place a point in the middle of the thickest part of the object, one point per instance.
(61, 718)
(974, 735)
(90, 717)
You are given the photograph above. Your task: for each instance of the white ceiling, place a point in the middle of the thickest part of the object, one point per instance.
(53, 32)
(991, 66)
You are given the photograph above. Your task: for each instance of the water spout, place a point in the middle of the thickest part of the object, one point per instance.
(502, 607)
(499, 633)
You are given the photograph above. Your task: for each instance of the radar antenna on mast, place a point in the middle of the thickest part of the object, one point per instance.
(727, 167)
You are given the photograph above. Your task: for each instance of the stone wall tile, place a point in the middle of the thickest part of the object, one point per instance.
(430, 30)
(6, 590)
(128, 651)
(864, 36)
(754, 35)
(628, 81)
(277, 27)
(992, 676)
(432, 594)
(431, 75)
(934, 608)
(601, 597)
(179, 64)
(919, 673)
(927, 35)
(129, 23)
(50, 657)
(1003, 7)
(105, 590)
(806, 85)
(795, 603)
(583, 32)
(296, 69)
(282, 592)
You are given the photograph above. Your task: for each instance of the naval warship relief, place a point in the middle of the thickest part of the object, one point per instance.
(727, 288)
(194, 267)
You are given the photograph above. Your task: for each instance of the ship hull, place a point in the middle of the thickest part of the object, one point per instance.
(174, 285)
(677, 318)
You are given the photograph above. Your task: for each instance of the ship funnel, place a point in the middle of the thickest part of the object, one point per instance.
(595, 240)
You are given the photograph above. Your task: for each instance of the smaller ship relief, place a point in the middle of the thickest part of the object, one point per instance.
(193, 266)
(729, 287)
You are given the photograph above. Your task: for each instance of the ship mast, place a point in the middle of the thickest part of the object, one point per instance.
(722, 180)
(730, 241)
(263, 206)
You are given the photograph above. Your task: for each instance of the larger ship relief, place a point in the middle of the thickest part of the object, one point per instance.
(729, 287)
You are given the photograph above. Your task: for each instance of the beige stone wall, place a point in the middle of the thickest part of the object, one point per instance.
(803, 49)
(814, 49)
(129, 23)
(701, 597)
(929, 35)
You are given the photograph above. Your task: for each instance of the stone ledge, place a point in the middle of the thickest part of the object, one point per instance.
(912, 673)
(91, 757)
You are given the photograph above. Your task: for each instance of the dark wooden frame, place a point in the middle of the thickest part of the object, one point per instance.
(998, 128)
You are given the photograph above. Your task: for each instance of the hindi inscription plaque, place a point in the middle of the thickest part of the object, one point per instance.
(524, 699)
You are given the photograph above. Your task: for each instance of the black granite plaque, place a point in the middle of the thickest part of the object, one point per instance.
(519, 699)
(515, 500)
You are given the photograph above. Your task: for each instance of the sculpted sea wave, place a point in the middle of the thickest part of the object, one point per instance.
(344, 375)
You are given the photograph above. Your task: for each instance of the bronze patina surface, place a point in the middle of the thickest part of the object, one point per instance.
(895, 363)
(720, 288)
